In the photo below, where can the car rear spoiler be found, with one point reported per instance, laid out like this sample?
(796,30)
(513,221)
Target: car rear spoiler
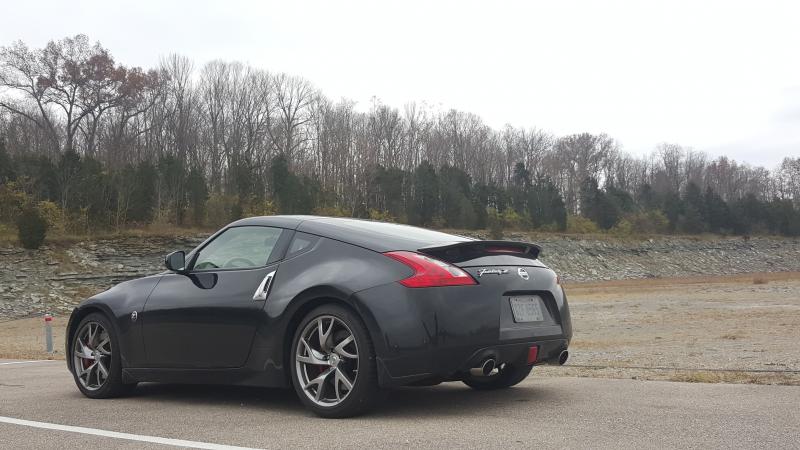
(467,250)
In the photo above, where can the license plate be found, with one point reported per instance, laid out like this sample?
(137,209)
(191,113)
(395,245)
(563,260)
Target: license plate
(527,309)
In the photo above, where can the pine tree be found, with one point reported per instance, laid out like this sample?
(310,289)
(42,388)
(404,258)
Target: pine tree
(545,206)
(426,194)
(6,164)
(717,215)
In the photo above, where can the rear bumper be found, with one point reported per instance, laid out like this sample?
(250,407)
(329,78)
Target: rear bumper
(443,367)
(438,334)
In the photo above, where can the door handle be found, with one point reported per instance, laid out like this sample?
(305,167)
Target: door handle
(263,288)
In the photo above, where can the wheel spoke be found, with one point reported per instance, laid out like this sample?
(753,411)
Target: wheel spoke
(103,342)
(340,377)
(97,374)
(312,356)
(324,335)
(90,338)
(86,375)
(319,382)
(87,370)
(85,352)
(102,369)
(339,349)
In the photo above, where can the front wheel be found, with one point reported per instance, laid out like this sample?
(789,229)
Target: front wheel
(333,363)
(506,376)
(96,362)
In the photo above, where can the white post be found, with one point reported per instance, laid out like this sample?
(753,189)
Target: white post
(48,332)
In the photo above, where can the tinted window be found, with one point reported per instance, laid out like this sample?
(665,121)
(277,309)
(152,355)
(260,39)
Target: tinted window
(302,242)
(393,229)
(238,248)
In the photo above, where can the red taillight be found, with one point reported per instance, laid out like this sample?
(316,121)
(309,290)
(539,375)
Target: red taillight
(429,272)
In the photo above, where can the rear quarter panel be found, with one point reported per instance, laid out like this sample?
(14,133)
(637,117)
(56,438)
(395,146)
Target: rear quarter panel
(332,270)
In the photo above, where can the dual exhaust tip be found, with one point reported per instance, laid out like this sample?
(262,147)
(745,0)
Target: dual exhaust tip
(489,364)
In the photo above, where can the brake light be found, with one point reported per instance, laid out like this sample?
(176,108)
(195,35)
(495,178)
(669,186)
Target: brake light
(429,272)
(505,250)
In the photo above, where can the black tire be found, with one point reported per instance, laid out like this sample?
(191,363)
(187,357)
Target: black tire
(507,376)
(113,385)
(365,392)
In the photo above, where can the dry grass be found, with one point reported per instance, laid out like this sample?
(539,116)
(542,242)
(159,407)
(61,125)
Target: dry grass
(734,378)
(733,336)
(647,284)
(24,339)
(680,375)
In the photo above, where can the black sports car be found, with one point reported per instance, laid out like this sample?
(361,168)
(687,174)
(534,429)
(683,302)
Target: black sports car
(337,308)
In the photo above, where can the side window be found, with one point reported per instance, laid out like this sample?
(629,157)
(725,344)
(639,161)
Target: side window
(238,248)
(301,243)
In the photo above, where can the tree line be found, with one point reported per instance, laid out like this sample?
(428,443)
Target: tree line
(95,144)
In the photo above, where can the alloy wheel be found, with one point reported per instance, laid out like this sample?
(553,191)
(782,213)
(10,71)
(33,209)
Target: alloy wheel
(327,360)
(91,356)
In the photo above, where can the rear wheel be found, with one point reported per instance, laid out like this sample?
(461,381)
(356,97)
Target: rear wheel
(505,376)
(96,364)
(333,363)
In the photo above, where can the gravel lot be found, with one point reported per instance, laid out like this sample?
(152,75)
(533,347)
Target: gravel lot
(742,328)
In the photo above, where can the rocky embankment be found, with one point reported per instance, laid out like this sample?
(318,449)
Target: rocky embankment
(592,259)
(54,278)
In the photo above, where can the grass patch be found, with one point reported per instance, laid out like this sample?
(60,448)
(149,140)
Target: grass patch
(735,378)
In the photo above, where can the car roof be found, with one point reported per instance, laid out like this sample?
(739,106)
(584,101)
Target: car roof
(374,235)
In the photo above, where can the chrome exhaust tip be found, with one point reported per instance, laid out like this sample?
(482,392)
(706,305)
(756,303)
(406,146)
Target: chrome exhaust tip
(484,369)
(562,358)
(488,366)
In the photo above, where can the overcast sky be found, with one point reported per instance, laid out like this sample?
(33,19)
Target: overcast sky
(722,77)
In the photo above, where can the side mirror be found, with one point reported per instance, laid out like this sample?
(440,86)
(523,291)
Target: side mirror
(176,261)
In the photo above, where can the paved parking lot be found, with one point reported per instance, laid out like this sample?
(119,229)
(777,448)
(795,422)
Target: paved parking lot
(541,412)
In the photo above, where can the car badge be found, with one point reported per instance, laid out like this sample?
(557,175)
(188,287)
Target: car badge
(134,316)
(523,273)
(483,272)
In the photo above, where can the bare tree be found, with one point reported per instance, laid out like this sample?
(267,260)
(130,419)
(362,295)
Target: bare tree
(293,97)
(25,74)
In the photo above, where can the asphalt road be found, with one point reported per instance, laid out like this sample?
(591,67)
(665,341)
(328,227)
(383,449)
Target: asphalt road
(540,412)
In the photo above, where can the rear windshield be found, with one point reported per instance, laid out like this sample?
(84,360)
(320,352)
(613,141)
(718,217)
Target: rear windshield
(393,229)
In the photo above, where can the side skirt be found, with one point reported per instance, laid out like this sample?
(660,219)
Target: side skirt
(236,376)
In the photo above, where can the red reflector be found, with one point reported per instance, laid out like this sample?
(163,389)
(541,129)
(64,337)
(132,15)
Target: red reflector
(429,272)
(533,352)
